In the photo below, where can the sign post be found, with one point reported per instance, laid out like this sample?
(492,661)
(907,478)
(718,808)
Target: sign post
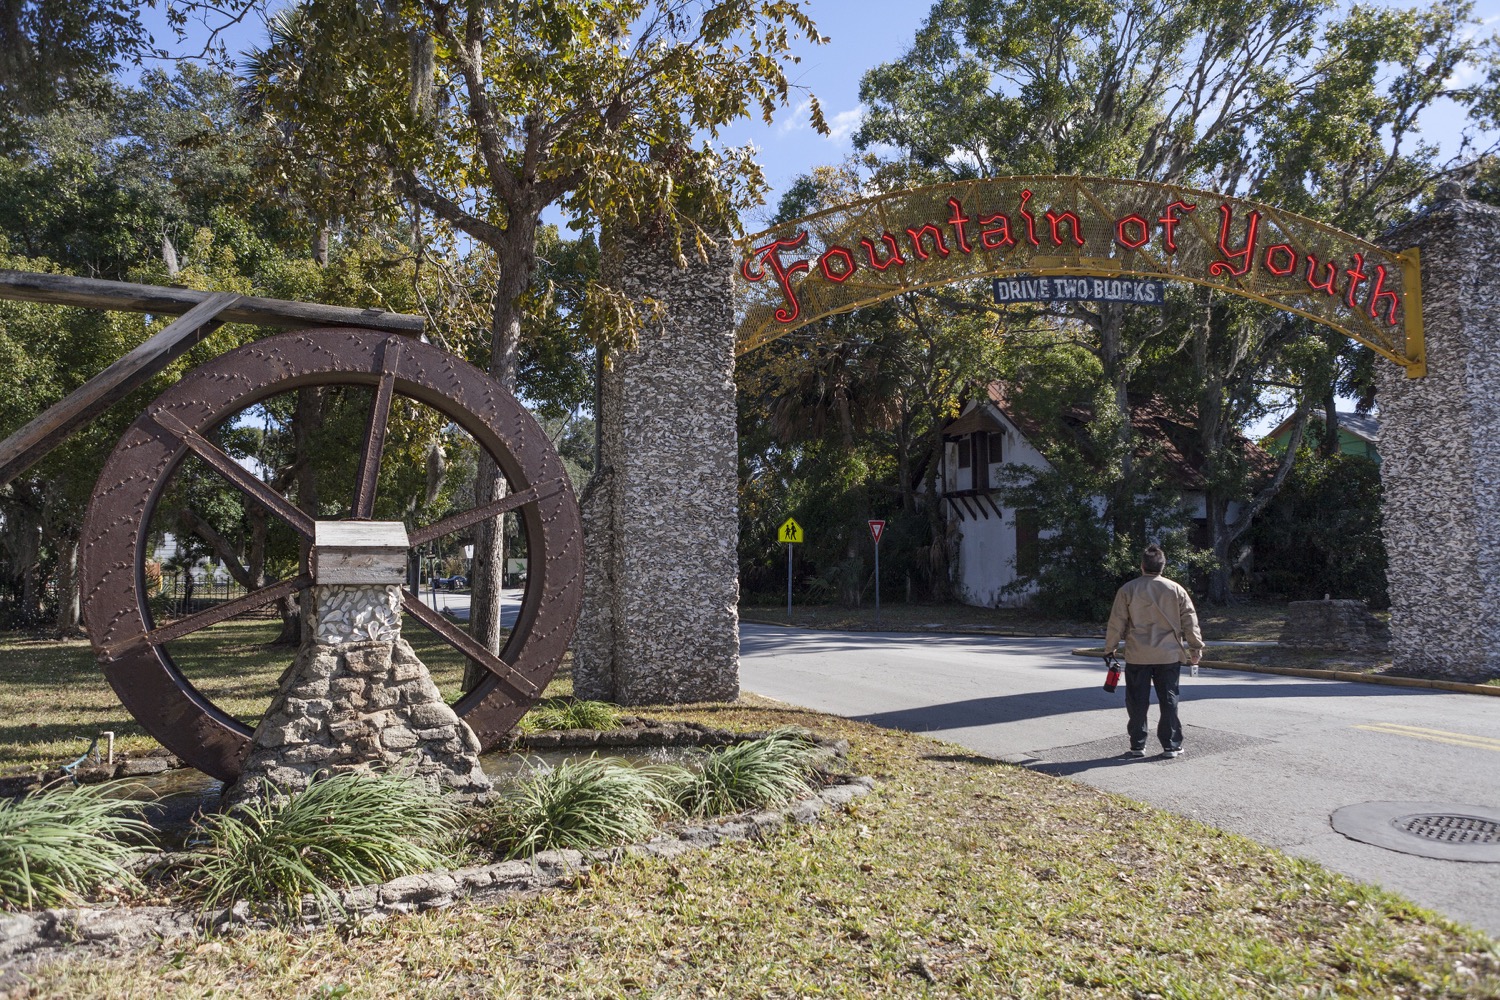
(877,528)
(791,533)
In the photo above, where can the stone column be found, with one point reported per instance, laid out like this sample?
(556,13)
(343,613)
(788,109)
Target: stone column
(357,697)
(1440,451)
(660,621)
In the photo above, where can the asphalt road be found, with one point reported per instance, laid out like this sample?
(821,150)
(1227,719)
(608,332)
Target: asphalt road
(1266,756)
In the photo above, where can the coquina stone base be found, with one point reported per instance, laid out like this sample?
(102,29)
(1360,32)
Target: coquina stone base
(356,706)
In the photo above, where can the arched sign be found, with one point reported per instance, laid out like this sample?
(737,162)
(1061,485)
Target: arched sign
(1079,227)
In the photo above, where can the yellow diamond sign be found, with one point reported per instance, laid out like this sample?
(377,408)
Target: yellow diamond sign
(790,531)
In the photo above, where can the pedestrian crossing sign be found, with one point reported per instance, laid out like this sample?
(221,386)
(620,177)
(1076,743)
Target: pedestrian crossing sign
(790,531)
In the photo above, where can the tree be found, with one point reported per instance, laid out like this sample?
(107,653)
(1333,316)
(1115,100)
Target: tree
(1277,100)
(606,107)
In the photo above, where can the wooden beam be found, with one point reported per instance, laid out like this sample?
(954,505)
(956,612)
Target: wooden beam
(66,290)
(27,445)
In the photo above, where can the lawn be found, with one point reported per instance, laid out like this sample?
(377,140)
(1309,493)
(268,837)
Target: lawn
(958,877)
(54,698)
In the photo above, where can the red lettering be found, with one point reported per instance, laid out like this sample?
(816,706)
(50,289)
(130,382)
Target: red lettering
(1288,253)
(771,253)
(894,257)
(1355,277)
(1227,266)
(837,253)
(1330,273)
(937,241)
(1003,229)
(1169,222)
(1053,219)
(1145,233)
(957,220)
(1381,292)
(1030,219)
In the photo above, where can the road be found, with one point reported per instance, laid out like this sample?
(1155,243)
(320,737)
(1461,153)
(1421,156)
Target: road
(457,603)
(1266,756)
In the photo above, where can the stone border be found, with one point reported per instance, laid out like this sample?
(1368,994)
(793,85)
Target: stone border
(1335,675)
(35,936)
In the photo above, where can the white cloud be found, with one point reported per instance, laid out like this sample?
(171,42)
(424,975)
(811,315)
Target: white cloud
(845,122)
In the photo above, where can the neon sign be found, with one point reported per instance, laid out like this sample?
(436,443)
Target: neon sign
(870,250)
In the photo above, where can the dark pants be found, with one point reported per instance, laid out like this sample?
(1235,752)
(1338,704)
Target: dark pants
(1139,679)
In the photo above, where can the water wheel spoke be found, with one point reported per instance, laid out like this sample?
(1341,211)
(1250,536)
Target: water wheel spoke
(494,508)
(237,474)
(466,644)
(368,480)
(219,613)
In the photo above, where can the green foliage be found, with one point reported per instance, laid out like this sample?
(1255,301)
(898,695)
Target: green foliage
(59,844)
(352,828)
(1321,535)
(770,771)
(579,804)
(570,713)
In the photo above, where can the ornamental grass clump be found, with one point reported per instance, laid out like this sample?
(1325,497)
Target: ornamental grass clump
(57,845)
(557,713)
(769,771)
(350,829)
(579,804)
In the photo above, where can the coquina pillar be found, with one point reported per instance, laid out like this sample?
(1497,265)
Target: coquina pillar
(660,620)
(1440,451)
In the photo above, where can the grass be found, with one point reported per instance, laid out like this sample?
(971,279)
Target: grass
(957,877)
(53,697)
(769,771)
(570,713)
(59,845)
(592,802)
(350,829)
(1238,622)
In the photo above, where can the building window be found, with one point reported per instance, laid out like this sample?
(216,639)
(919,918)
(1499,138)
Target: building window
(994,449)
(1028,553)
(963,453)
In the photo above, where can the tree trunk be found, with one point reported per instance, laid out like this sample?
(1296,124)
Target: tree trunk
(68,617)
(518,255)
(1330,445)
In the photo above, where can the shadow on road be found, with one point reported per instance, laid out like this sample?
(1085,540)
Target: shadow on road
(1039,704)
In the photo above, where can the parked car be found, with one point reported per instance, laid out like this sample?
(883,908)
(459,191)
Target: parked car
(450,582)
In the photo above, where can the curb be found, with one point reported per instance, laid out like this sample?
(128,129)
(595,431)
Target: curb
(914,630)
(1337,675)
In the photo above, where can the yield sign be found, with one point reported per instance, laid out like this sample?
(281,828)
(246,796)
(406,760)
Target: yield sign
(877,528)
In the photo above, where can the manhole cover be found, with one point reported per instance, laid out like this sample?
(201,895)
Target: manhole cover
(1450,829)
(1428,829)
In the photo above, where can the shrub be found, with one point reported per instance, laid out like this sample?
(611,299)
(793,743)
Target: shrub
(559,713)
(578,804)
(352,828)
(769,771)
(58,844)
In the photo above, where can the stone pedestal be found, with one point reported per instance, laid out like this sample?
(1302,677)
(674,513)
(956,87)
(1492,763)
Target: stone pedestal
(357,697)
(1440,451)
(660,620)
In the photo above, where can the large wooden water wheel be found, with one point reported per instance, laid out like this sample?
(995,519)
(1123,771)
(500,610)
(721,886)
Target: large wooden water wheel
(132,647)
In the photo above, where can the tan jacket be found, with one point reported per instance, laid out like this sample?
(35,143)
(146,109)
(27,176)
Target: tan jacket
(1156,618)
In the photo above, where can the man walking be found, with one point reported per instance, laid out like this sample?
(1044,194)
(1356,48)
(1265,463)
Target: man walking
(1155,618)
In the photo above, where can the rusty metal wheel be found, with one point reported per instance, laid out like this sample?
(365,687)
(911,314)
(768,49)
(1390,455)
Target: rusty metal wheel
(131,647)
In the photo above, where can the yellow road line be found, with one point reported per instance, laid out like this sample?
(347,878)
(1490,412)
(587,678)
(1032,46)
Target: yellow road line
(1434,735)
